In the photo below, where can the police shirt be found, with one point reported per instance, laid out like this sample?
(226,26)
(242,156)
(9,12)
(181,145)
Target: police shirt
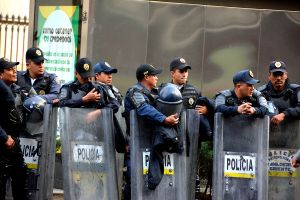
(286,101)
(228,103)
(47,85)
(140,98)
(10,121)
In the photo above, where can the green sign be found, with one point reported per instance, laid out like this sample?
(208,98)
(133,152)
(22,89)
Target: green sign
(58,28)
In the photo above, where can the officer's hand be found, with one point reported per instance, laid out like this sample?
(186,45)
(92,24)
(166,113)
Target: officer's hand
(201,109)
(250,111)
(277,119)
(55,101)
(93,95)
(92,116)
(171,120)
(294,163)
(243,108)
(9,142)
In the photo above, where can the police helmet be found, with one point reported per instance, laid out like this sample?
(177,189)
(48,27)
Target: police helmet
(169,100)
(34,107)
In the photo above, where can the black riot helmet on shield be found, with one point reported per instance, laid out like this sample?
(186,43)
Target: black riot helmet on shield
(169,100)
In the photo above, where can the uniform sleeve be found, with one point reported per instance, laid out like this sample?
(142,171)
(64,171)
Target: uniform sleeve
(3,136)
(262,109)
(65,99)
(54,89)
(220,105)
(294,112)
(146,110)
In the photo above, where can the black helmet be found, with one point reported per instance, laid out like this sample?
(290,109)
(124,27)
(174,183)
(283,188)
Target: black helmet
(169,100)
(34,106)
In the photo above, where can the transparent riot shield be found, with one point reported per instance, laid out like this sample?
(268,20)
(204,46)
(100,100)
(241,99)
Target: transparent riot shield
(88,154)
(38,147)
(240,158)
(120,156)
(284,180)
(179,169)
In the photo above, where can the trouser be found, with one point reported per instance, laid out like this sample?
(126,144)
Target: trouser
(12,166)
(127,175)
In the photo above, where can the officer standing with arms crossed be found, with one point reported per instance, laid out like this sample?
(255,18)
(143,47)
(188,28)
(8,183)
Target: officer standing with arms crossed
(285,96)
(44,84)
(141,97)
(243,99)
(81,92)
(11,124)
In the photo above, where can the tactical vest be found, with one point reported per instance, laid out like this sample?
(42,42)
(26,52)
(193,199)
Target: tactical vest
(232,100)
(76,92)
(189,95)
(41,85)
(283,100)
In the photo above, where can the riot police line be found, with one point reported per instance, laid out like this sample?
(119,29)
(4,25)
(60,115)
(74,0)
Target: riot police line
(251,157)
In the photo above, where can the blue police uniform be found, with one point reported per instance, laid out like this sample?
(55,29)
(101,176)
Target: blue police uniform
(286,101)
(47,86)
(227,102)
(11,160)
(140,98)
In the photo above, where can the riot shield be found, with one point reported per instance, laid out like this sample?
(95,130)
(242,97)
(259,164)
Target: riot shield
(284,180)
(240,158)
(120,156)
(179,169)
(38,148)
(88,154)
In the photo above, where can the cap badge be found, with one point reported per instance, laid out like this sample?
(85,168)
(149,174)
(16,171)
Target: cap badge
(108,65)
(38,52)
(86,67)
(277,64)
(146,72)
(251,73)
(42,92)
(182,60)
(191,101)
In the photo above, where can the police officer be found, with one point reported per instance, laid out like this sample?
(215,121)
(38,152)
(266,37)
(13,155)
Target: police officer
(81,92)
(285,96)
(179,71)
(44,84)
(179,74)
(243,99)
(11,124)
(103,75)
(141,97)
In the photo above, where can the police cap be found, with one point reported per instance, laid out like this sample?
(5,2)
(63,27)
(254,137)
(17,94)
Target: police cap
(102,66)
(85,68)
(244,76)
(179,63)
(35,54)
(146,69)
(6,63)
(277,66)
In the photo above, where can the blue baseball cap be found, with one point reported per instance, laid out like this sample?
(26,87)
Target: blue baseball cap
(277,66)
(245,76)
(103,66)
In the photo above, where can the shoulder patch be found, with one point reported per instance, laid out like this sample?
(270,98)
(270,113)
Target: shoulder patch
(226,93)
